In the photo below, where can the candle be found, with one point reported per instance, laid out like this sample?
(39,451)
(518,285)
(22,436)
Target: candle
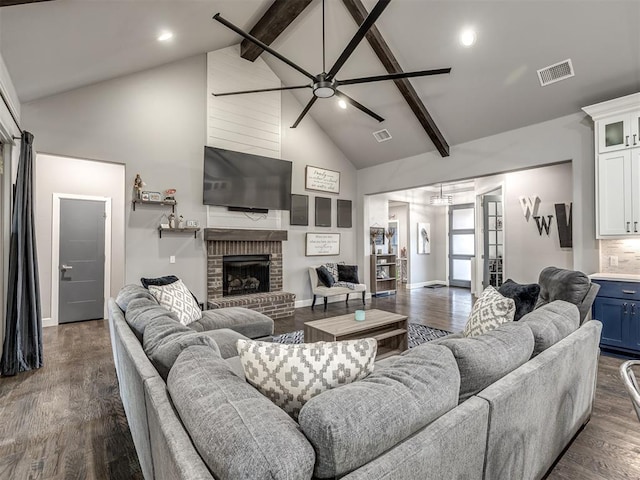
(359,315)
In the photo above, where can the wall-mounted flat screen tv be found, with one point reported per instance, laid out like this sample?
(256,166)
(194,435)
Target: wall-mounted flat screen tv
(236,179)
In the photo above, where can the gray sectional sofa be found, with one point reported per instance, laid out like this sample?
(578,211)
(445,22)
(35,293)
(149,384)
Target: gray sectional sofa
(500,406)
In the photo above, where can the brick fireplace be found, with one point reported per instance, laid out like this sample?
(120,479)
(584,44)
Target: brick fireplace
(224,242)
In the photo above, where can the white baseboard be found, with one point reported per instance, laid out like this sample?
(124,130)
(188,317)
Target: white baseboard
(49,322)
(337,298)
(411,286)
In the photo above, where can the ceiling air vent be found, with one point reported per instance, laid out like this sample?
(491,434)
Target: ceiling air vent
(382,135)
(556,72)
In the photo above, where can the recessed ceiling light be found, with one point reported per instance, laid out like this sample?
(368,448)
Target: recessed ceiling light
(342,103)
(165,36)
(468,37)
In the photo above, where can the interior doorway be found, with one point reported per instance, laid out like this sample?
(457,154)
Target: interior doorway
(461,244)
(493,265)
(81,255)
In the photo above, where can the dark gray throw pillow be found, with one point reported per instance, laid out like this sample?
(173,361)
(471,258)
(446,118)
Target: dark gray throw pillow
(348,273)
(524,295)
(325,276)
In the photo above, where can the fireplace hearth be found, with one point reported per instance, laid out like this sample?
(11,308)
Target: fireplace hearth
(245,274)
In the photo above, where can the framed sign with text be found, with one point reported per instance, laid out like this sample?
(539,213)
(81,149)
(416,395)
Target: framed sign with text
(322,244)
(322,180)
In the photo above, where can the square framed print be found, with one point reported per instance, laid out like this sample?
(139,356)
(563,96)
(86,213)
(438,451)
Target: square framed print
(318,244)
(299,213)
(323,212)
(344,214)
(322,180)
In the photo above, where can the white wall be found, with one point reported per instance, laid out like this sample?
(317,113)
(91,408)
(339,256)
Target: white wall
(561,139)
(425,269)
(54,174)
(155,123)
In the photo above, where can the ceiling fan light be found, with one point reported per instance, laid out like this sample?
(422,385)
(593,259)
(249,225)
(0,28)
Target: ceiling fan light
(323,92)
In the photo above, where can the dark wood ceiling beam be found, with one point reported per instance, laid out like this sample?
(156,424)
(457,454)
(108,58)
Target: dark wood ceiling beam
(8,3)
(382,50)
(278,17)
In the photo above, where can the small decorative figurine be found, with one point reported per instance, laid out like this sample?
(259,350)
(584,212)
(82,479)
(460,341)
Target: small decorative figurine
(137,186)
(172,220)
(180,221)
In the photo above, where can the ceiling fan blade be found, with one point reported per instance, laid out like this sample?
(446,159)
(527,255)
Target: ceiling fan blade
(394,76)
(359,106)
(259,90)
(357,38)
(304,112)
(262,45)
(8,3)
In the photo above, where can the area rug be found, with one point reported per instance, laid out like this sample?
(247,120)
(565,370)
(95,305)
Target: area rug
(418,334)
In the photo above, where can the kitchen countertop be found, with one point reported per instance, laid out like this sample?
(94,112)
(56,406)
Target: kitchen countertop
(615,277)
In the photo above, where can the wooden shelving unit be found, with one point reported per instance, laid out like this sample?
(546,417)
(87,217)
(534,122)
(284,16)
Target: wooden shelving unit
(383,274)
(188,230)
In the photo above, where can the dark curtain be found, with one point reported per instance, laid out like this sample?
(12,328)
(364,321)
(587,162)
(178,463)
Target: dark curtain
(23,333)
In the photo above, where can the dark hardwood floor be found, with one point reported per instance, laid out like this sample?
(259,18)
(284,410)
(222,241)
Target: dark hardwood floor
(66,421)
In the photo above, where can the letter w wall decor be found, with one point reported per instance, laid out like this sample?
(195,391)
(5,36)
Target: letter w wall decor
(529,206)
(565,230)
(541,223)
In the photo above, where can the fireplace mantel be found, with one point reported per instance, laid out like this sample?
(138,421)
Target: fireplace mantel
(237,234)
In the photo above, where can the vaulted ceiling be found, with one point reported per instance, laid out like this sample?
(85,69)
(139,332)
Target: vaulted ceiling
(56,46)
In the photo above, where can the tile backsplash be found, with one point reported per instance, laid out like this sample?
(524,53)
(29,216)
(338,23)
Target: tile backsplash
(627,252)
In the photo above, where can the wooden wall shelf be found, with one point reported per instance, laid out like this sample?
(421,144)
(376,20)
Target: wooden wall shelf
(168,203)
(188,230)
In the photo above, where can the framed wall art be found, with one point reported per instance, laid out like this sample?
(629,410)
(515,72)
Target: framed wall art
(344,214)
(318,244)
(322,180)
(323,212)
(299,213)
(377,235)
(424,238)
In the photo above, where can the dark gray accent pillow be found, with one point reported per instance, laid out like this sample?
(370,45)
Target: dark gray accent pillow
(551,323)
(353,424)
(325,276)
(164,341)
(488,357)
(561,284)
(348,273)
(238,432)
(524,295)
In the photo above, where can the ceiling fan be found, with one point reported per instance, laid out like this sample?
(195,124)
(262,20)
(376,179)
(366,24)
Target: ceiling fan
(325,84)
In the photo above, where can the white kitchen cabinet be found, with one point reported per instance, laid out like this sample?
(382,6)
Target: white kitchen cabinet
(617,161)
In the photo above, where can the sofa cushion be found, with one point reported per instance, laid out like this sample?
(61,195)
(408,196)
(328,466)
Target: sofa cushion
(348,273)
(227,341)
(486,358)
(561,284)
(177,298)
(244,435)
(290,375)
(143,311)
(131,292)
(524,295)
(489,311)
(352,425)
(551,323)
(248,322)
(325,276)
(164,341)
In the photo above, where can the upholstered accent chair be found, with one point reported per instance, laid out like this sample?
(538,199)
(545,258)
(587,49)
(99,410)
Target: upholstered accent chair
(631,384)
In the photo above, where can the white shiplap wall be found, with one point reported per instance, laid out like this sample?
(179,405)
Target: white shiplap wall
(245,123)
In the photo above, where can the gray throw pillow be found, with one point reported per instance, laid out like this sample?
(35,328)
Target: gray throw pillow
(348,273)
(325,276)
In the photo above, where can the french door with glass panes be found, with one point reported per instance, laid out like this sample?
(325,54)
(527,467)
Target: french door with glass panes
(493,241)
(461,244)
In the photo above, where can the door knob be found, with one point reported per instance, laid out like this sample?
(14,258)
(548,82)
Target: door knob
(66,267)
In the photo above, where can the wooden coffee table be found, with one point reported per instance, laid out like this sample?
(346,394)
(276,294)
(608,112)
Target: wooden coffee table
(389,329)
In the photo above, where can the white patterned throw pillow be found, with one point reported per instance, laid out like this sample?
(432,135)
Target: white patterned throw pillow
(177,298)
(489,311)
(290,375)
